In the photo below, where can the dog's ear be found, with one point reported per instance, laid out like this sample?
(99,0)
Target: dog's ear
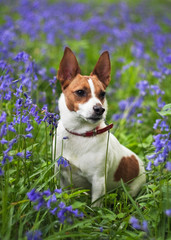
(103,68)
(68,68)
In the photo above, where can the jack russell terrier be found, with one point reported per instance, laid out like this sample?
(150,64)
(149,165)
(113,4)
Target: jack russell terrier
(97,160)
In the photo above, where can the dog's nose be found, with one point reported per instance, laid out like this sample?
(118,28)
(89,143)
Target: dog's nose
(98,109)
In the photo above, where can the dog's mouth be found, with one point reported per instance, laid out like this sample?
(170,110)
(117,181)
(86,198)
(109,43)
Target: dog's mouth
(94,119)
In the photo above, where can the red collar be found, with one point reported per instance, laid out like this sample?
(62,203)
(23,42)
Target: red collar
(93,132)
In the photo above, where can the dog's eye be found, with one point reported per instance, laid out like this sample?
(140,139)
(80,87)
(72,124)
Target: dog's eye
(80,93)
(102,95)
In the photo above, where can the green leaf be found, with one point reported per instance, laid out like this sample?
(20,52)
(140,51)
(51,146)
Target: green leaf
(78,204)
(121,215)
(166,110)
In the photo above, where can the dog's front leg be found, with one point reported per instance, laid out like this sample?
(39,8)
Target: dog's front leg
(98,190)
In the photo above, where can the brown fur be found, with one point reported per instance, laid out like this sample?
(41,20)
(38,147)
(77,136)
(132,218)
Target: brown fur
(128,169)
(81,83)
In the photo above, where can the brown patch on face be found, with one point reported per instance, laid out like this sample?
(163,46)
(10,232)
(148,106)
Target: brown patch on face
(81,83)
(99,88)
(128,169)
(72,99)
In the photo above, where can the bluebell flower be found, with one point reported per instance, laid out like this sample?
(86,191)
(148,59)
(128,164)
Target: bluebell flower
(29,135)
(19,91)
(19,103)
(135,223)
(7,150)
(63,161)
(145,226)
(34,235)
(53,211)
(143,86)
(47,193)
(22,154)
(6,157)
(21,56)
(51,200)
(61,215)
(1,172)
(157,74)
(149,166)
(168,212)
(11,128)
(168,166)
(3,117)
(29,127)
(33,195)
(155,126)
(3,131)
(25,119)
(8,96)
(164,126)
(3,141)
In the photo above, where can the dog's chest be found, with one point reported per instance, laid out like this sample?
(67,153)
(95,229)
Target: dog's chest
(84,153)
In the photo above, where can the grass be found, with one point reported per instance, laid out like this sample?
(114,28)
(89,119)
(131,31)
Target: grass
(34,168)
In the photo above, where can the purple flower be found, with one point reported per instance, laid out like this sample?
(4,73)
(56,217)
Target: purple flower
(11,128)
(145,226)
(29,135)
(61,205)
(143,86)
(47,193)
(7,150)
(157,74)
(34,235)
(168,166)
(51,200)
(63,161)
(3,117)
(135,223)
(22,56)
(58,190)
(6,157)
(22,154)
(3,130)
(168,212)
(3,141)
(50,118)
(29,127)
(149,168)
(164,126)
(156,123)
(53,211)
(33,195)
(19,91)
(1,172)
(123,105)
(19,103)
(61,215)
(8,96)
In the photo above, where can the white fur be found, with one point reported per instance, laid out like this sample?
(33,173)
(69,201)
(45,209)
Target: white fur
(87,155)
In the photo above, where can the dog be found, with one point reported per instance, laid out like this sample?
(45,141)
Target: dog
(97,160)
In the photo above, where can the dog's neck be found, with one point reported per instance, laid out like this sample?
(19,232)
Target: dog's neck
(73,122)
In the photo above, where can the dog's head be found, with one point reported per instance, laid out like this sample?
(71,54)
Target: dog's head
(85,95)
